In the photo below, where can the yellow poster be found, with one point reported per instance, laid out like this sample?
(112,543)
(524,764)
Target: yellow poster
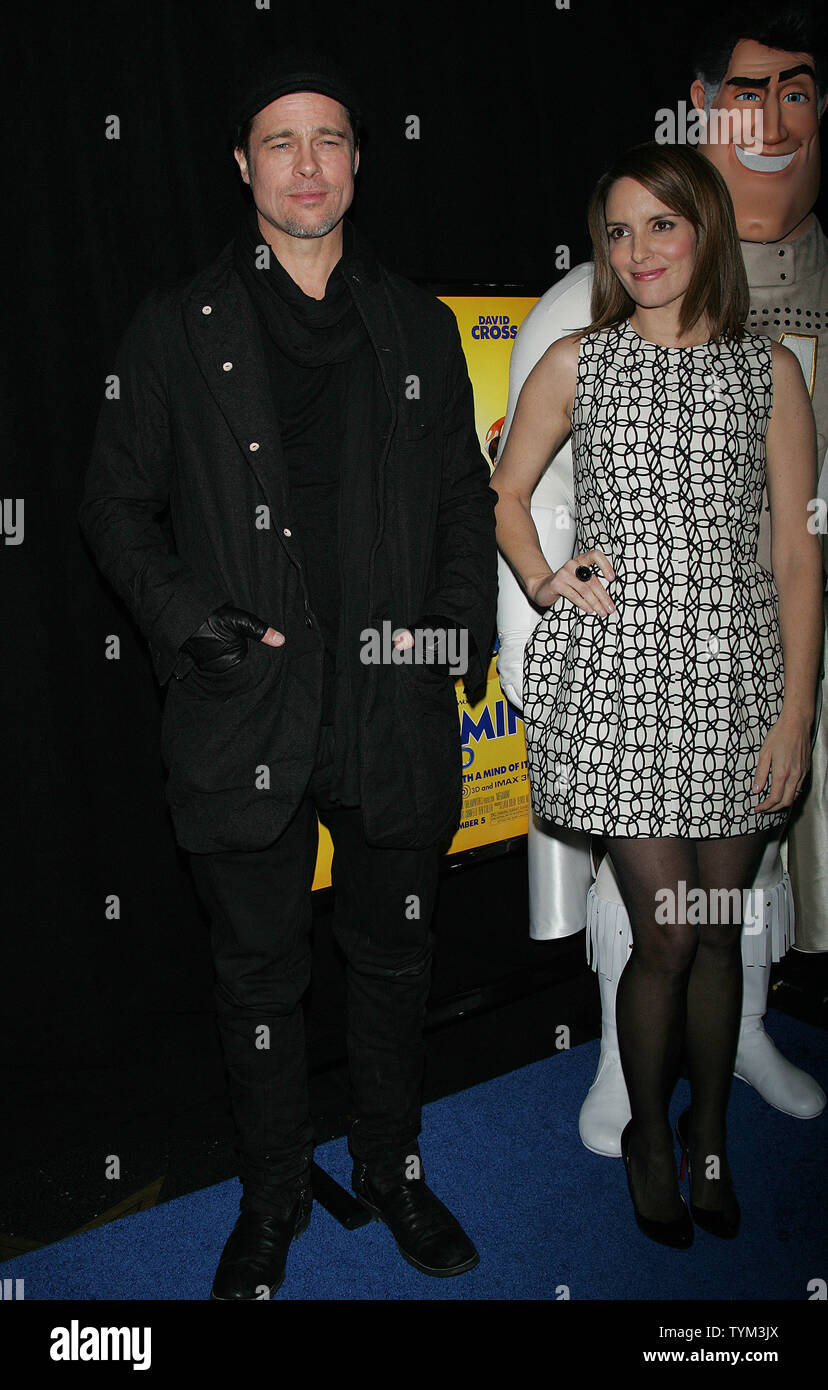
(495,780)
(488,326)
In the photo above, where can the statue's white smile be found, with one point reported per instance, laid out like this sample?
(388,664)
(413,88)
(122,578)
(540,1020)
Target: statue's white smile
(763,163)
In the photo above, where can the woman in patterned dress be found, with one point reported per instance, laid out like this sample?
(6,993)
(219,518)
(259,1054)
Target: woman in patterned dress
(669,686)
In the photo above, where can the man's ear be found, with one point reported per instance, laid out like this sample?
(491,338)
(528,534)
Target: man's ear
(242,163)
(697,94)
(356,158)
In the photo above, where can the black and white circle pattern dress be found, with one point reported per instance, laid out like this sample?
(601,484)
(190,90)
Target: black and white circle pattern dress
(649,722)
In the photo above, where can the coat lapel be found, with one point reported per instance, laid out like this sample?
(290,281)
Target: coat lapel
(365,281)
(221,327)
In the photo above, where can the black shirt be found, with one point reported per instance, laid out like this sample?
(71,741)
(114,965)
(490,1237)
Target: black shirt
(309,411)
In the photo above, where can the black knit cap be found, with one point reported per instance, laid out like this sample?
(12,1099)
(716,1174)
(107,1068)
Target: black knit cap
(290,70)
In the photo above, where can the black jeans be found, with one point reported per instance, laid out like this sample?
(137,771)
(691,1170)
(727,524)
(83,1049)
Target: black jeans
(259,904)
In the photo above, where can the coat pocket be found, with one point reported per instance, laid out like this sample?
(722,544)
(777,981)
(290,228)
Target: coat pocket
(417,425)
(209,721)
(433,723)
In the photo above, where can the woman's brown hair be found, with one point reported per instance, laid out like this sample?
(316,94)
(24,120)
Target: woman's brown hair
(690,186)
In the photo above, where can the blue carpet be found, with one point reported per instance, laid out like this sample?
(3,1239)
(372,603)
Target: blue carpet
(542,1210)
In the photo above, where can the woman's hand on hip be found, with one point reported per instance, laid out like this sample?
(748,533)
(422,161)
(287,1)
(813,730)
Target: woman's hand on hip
(589,595)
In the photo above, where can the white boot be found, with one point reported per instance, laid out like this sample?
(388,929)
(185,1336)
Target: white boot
(761,1064)
(758,1061)
(606,1108)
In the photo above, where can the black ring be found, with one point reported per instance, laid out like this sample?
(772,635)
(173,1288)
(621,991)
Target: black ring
(585,572)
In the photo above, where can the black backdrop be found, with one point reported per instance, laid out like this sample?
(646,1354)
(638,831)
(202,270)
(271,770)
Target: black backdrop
(521,106)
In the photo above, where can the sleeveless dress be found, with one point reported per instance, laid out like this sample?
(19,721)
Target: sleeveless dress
(649,722)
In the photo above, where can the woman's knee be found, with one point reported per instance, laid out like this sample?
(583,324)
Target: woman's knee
(666,949)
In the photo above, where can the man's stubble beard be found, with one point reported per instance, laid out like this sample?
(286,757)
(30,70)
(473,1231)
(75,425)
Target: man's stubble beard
(299,229)
(293,227)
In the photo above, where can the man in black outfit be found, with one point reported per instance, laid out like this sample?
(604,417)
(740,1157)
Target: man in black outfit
(307,418)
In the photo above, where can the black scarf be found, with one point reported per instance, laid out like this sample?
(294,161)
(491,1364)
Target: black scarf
(311,332)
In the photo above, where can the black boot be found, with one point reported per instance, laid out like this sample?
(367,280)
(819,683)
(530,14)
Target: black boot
(252,1265)
(427,1235)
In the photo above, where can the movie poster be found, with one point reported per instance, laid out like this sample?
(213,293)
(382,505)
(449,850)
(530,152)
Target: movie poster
(495,778)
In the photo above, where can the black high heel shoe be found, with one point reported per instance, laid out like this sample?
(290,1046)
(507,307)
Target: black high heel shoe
(722,1223)
(677,1234)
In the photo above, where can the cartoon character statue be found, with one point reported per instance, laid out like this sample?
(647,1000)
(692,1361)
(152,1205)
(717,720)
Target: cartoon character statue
(775,65)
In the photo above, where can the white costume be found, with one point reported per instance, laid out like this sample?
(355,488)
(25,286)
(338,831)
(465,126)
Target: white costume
(560,866)
(789,301)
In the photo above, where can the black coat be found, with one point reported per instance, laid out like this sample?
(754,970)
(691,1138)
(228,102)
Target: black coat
(194,429)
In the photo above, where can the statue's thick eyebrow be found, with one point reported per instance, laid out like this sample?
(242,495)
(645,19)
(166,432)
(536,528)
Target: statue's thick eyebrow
(794,72)
(784,76)
(747,82)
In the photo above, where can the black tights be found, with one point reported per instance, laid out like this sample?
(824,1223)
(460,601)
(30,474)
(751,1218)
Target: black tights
(680,997)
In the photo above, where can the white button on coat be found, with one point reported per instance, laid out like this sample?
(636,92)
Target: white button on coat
(253,447)
(207,309)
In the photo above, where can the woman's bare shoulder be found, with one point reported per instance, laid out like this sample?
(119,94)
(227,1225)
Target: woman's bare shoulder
(785,363)
(561,356)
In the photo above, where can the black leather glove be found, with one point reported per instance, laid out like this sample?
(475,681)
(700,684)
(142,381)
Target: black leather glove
(221,643)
